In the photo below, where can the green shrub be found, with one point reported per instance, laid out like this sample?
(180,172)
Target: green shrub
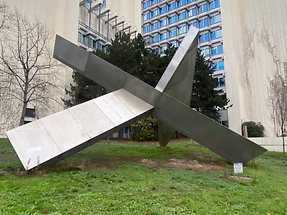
(254,129)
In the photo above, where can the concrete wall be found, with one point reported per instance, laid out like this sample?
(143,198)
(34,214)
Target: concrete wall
(255,41)
(274,144)
(130,10)
(61,17)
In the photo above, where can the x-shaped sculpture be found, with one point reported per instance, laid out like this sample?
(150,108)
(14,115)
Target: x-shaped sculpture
(56,137)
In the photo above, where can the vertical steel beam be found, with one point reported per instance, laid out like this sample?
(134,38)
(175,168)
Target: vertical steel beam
(116,25)
(99,19)
(90,11)
(108,25)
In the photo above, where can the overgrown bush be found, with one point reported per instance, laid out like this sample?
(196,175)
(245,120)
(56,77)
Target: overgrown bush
(145,129)
(254,129)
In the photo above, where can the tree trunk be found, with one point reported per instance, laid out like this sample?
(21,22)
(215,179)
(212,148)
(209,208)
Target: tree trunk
(283,142)
(25,102)
(23,114)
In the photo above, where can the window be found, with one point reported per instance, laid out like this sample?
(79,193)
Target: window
(152,2)
(182,30)
(173,19)
(203,22)
(204,37)
(214,4)
(194,24)
(172,6)
(181,2)
(155,38)
(146,29)
(175,44)
(173,33)
(163,10)
(155,13)
(192,12)
(148,40)
(162,49)
(82,38)
(155,25)
(205,52)
(222,81)
(202,8)
(146,16)
(163,22)
(217,50)
(218,65)
(215,19)
(216,34)
(182,16)
(163,36)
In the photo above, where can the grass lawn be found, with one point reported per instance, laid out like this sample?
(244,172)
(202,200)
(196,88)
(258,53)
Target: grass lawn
(141,178)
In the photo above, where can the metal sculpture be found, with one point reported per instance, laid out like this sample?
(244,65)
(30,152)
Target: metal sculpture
(56,137)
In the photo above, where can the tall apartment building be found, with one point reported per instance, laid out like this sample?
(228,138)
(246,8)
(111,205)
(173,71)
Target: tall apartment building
(244,40)
(168,22)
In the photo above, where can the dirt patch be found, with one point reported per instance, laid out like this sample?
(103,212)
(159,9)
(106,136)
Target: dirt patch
(184,164)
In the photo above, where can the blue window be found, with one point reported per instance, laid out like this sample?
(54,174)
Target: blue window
(214,4)
(222,81)
(218,65)
(203,22)
(181,2)
(216,34)
(155,38)
(202,8)
(155,13)
(192,12)
(221,65)
(146,29)
(155,25)
(182,16)
(172,6)
(153,2)
(173,19)
(217,50)
(193,24)
(204,37)
(146,16)
(182,29)
(163,10)
(163,22)
(173,33)
(205,52)
(215,19)
(220,49)
(146,4)
(163,36)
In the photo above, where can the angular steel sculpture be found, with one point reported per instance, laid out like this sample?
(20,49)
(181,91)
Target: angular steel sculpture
(53,138)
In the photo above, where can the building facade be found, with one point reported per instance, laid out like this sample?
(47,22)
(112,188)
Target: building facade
(244,40)
(60,17)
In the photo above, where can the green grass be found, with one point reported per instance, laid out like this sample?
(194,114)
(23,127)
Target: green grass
(108,178)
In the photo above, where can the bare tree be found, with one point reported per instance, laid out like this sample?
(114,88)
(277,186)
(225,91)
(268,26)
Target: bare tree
(278,101)
(3,15)
(28,73)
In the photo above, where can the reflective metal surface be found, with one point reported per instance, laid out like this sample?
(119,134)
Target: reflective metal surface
(177,79)
(56,137)
(172,112)
(63,134)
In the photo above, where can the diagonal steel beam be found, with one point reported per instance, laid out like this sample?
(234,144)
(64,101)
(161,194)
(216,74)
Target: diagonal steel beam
(177,79)
(207,132)
(53,138)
